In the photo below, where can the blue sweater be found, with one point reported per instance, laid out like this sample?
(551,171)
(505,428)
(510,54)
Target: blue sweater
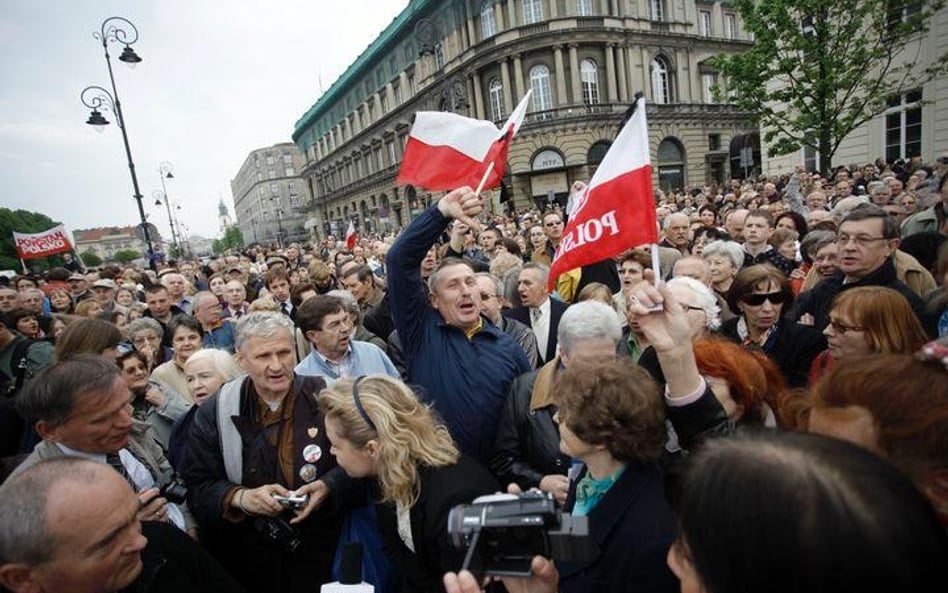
(364,359)
(465,379)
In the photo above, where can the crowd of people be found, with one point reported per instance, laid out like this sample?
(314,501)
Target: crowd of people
(767,410)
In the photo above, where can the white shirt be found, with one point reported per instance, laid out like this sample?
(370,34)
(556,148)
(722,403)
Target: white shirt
(541,327)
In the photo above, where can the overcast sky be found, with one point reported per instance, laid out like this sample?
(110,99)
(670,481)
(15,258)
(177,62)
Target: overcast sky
(218,79)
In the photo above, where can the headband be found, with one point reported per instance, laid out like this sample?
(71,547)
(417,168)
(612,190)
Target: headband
(358,403)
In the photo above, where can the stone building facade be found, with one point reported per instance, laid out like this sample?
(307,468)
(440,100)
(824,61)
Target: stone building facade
(271,196)
(584,60)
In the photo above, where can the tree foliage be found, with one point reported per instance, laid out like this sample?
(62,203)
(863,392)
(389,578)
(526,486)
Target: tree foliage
(23,221)
(90,259)
(819,69)
(123,256)
(232,239)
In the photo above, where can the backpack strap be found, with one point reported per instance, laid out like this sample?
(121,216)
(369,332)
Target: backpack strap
(232,447)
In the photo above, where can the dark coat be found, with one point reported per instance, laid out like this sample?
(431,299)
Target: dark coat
(819,300)
(634,527)
(793,348)
(259,563)
(557,308)
(528,443)
(441,489)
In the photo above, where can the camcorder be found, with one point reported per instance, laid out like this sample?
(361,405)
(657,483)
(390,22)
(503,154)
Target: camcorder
(503,532)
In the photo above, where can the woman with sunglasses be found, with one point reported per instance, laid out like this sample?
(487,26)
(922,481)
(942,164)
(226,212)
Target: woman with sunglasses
(762,295)
(868,320)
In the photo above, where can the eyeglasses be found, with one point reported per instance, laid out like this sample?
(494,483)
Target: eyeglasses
(756,300)
(860,240)
(842,329)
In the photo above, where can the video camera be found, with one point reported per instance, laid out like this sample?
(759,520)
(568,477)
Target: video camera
(503,532)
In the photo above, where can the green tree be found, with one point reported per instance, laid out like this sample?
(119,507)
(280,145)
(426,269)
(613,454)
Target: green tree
(123,256)
(819,69)
(23,221)
(90,259)
(232,239)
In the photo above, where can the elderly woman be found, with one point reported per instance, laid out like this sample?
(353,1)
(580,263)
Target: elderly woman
(526,450)
(762,295)
(612,419)
(60,301)
(725,259)
(187,337)
(145,335)
(379,429)
(152,402)
(868,320)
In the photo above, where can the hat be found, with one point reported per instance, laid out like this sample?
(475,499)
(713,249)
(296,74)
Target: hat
(237,269)
(76,277)
(277,259)
(167,271)
(104,283)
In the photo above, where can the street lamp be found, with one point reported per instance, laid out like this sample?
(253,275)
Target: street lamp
(279,213)
(96,98)
(165,172)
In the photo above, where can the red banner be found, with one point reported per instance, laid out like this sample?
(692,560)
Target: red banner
(32,245)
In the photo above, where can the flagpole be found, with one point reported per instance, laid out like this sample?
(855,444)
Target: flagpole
(656,264)
(480,186)
(23,263)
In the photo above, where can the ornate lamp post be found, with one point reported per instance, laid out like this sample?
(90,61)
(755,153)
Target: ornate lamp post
(119,30)
(165,172)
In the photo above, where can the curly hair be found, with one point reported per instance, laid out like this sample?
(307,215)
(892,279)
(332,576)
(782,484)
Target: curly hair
(753,379)
(408,432)
(615,404)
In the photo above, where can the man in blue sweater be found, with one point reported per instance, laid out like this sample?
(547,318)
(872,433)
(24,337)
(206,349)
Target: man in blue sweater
(463,363)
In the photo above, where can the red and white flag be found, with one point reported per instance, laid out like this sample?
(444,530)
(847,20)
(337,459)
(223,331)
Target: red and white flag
(351,236)
(31,245)
(616,212)
(446,151)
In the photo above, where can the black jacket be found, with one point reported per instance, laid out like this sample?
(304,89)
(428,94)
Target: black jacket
(173,563)
(442,489)
(793,349)
(527,447)
(259,563)
(819,300)
(557,308)
(634,527)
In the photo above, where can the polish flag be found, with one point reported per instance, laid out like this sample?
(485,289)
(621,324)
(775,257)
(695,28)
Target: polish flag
(351,235)
(616,211)
(446,151)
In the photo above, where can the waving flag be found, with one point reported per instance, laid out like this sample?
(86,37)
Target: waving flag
(446,151)
(31,245)
(616,212)
(351,236)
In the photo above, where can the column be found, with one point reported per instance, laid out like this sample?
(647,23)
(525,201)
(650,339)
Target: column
(611,72)
(389,96)
(553,12)
(478,96)
(646,75)
(623,79)
(505,80)
(561,98)
(518,78)
(574,74)
(403,85)
(499,17)
(511,14)
(604,8)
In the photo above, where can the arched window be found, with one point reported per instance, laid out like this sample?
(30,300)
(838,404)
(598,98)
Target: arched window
(656,10)
(488,24)
(540,83)
(597,152)
(589,75)
(496,90)
(532,11)
(661,89)
(671,164)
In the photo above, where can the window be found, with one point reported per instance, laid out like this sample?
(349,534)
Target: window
(287,159)
(903,126)
(589,75)
(532,11)
(259,176)
(378,159)
(271,174)
(704,23)
(392,157)
(488,24)
(275,189)
(540,83)
(656,10)
(584,8)
(730,26)
(496,91)
(671,164)
(707,83)
(661,90)
(714,142)
(270,160)
(439,56)
(397,91)
(262,192)
(383,101)
(288,172)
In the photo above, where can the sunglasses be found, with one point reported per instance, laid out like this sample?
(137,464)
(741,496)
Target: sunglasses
(756,300)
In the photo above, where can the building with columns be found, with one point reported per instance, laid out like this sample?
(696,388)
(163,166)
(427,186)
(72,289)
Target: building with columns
(584,60)
(270,196)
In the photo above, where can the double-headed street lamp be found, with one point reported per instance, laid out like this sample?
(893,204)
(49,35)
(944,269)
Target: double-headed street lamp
(165,172)
(98,99)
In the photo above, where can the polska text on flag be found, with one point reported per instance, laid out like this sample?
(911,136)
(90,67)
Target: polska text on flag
(616,212)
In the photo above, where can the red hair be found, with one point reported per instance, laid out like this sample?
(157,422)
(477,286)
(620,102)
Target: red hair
(751,376)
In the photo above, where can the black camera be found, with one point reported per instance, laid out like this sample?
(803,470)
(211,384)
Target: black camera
(279,531)
(174,491)
(502,533)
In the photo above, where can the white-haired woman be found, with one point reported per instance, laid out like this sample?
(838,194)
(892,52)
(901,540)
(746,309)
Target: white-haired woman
(379,429)
(725,259)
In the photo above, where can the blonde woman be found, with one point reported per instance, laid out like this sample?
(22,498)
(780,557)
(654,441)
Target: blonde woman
(379,429)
